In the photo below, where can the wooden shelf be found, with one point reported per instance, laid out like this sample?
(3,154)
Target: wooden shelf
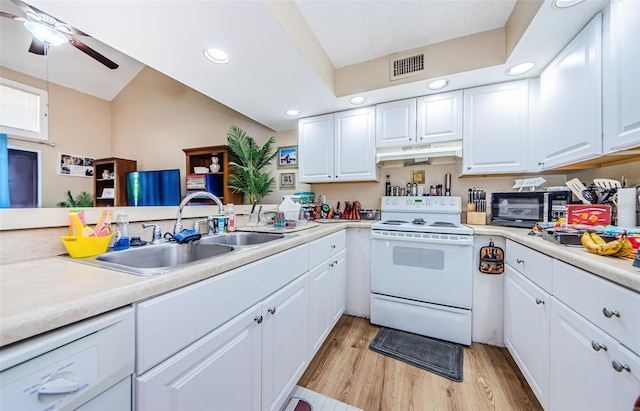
(201,157)
(119,167)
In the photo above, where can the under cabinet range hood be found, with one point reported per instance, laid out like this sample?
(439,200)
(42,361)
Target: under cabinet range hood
(420,153)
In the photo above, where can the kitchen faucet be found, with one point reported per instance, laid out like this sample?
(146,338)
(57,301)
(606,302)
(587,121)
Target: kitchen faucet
(198,194)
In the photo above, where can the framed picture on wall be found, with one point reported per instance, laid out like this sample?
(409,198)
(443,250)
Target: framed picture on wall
(287,180)
(288,157)
(73,165)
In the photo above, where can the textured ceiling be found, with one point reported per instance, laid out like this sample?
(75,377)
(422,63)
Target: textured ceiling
(353,32)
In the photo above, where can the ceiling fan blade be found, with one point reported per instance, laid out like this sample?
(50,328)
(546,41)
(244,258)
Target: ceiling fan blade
(91,52)
(11,16)
(38,47)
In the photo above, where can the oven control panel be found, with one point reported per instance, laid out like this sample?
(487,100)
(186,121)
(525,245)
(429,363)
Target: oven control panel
(438,204)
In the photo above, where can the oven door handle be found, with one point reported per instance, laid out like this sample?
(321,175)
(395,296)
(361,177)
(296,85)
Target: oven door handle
(424,238)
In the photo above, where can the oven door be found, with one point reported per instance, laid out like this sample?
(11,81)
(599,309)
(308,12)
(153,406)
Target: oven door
(433,268)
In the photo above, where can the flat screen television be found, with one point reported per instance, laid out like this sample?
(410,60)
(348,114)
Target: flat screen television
(153,188)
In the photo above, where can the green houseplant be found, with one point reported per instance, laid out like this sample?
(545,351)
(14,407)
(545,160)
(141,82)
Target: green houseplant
(248,160)
(83,199)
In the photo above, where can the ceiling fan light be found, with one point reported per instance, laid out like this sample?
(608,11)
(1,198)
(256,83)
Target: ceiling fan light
(520,69)
(292,112)
(47,35)
(438,84)
(357,100)
(217,56)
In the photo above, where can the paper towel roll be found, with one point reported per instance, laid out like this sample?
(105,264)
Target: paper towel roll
(627,207)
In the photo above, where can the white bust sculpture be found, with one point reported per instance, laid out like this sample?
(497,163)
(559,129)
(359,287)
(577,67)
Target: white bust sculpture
(215,167)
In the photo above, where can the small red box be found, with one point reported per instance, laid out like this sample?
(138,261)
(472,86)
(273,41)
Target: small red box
(589,214)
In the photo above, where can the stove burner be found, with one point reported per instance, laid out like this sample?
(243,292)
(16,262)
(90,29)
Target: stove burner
(394,222)
(419,221)
(442,224)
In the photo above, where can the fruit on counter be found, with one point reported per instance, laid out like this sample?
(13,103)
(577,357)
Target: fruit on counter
(596,245)
(626,248)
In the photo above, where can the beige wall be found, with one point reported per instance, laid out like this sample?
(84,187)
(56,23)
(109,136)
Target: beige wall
(79,124)
(155,117)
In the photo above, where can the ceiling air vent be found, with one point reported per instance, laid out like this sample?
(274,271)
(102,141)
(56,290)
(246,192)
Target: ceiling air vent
(406,66)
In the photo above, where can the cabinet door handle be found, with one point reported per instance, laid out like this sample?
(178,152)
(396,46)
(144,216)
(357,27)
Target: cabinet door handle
(272,310)
(620,367)
(609,313)
(330,264)
(540,163)
(539,301)
(519,261)
(329,175)
(258,319)
(333,246)
(597,346)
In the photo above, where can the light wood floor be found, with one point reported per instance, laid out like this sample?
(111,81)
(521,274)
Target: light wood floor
(346,370)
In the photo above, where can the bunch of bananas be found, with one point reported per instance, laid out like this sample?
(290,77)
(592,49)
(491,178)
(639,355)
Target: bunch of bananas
(597,245)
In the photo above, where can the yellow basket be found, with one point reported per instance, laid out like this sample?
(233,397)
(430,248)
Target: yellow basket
(80,246)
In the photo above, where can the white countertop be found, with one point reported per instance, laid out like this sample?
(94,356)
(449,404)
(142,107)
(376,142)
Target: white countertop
(40,295)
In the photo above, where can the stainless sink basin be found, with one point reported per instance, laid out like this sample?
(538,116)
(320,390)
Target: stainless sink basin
(241,238)
(161,258)
(156,259)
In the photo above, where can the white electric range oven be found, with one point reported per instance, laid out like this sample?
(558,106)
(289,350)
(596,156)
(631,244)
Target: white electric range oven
(421,268)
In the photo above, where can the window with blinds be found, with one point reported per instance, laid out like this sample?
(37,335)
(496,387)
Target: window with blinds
(23,110)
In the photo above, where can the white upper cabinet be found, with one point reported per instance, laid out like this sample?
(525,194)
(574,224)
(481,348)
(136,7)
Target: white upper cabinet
(315,149)
(396,123)
(338,147)
(571,101)
(496,129)
(439,118)
(621,81)
(431,119)
(355,145)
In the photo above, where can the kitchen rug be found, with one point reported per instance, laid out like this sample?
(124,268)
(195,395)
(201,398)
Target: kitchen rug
(437,356)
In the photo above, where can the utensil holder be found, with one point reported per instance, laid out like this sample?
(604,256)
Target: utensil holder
(476,218)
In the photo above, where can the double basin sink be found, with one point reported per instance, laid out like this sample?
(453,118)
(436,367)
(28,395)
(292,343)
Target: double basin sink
(157,259)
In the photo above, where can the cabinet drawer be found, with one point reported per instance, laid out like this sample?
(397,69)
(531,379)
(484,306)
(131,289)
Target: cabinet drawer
(172,321)
(325,247)
(596,299)
(532,264)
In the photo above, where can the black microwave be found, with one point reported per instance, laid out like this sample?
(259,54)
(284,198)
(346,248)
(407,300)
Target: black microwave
(526,208)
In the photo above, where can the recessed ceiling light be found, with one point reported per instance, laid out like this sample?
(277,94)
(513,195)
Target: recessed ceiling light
(438,84)
(520,69)
(292,112)
(563,4)
(46,34)
(357,100)
(217,56)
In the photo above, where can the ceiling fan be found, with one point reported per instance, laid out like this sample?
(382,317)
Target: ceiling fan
(48,31)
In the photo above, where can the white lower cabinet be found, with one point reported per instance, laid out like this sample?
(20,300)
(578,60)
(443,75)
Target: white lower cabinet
(579,363)
(236,341)
(589,370)
(251,362)
(526,330)
(285,347)
(327,298)
(576,339)
(328,286)
(221,371)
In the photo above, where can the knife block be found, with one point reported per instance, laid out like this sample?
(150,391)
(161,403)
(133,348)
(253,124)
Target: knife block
(475,217)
